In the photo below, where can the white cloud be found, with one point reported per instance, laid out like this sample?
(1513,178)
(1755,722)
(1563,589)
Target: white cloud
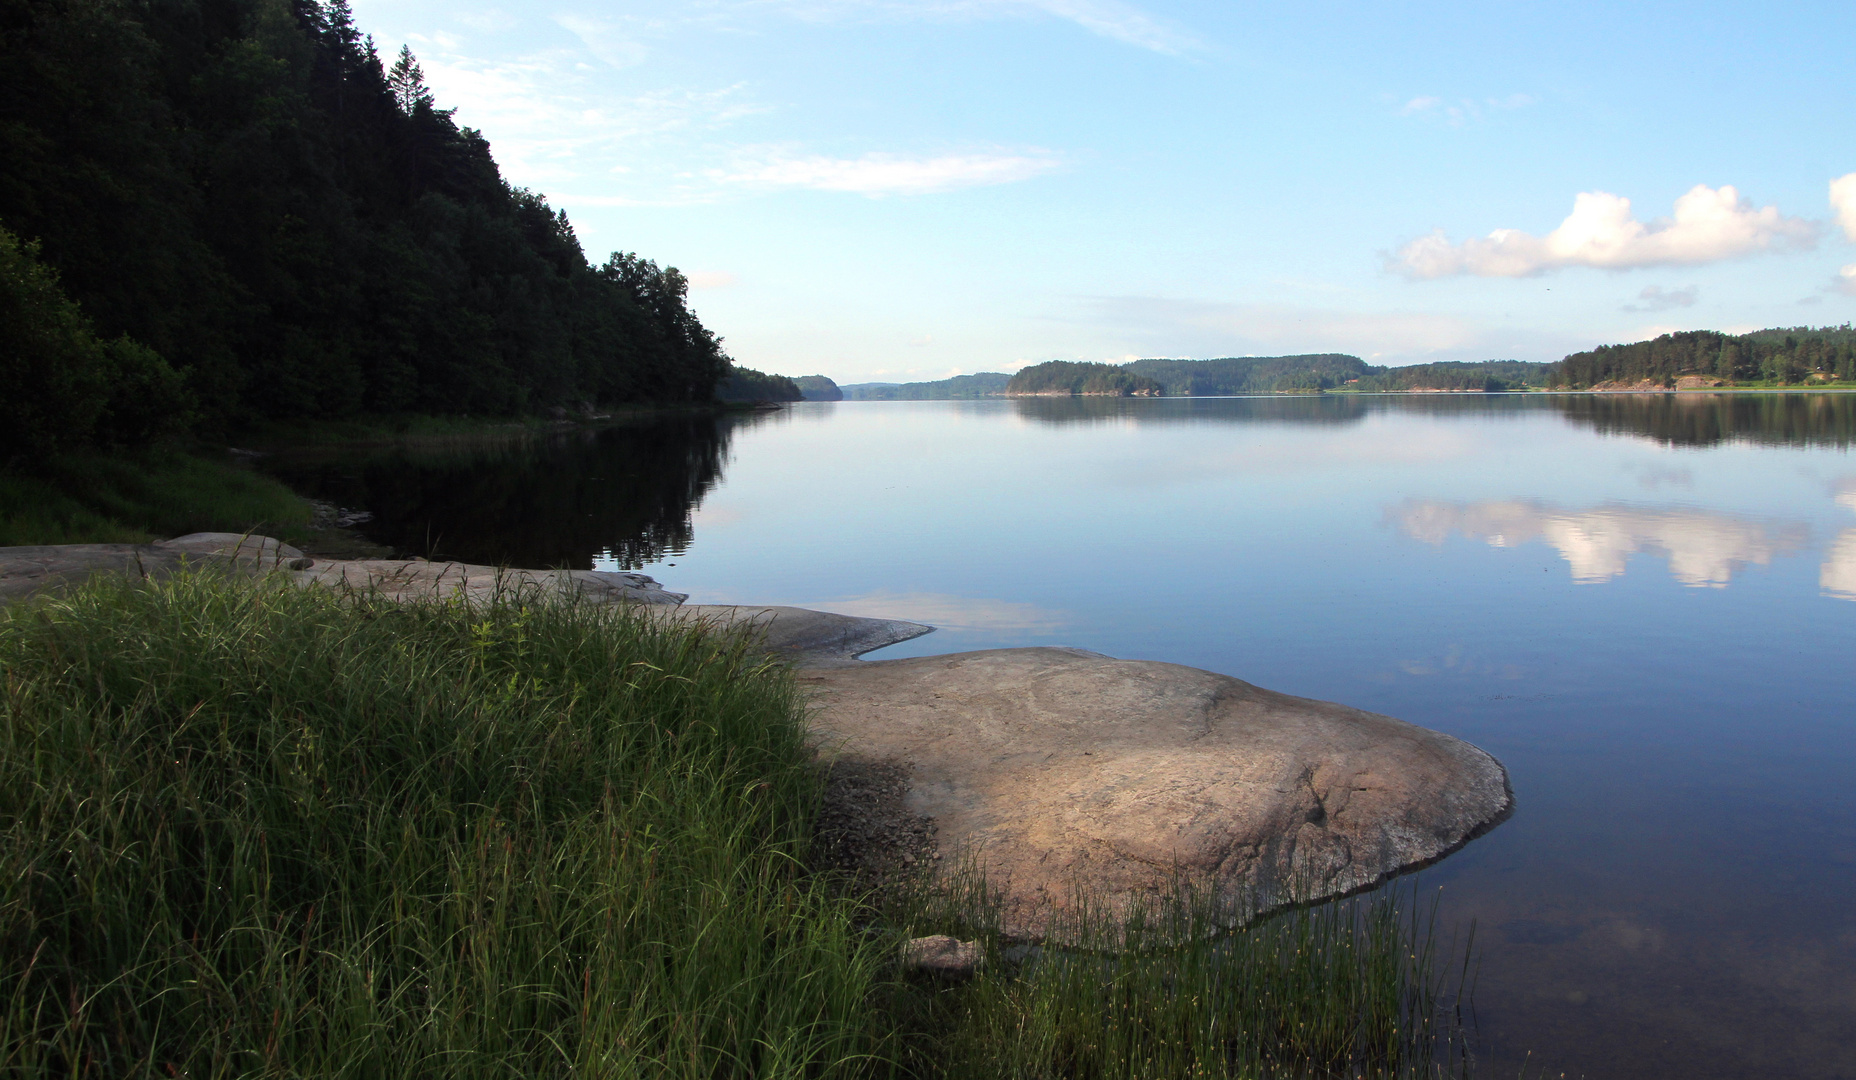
(1837,577)
(1112,19)
(552,126)
(890,174)
(1710,224)
(489,21)
(1843,201)
(1463,110)
(1845,281)
(1656,298)
(1704,549)
(615,44)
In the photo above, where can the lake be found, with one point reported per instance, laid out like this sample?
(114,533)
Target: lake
(1644,605)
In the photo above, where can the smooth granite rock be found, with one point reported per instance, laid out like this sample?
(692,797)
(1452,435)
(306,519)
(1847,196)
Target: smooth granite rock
(1059,769)
(406,579)
(28,570)
(807,637)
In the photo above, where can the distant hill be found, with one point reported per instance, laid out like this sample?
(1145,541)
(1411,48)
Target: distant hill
(818,388)
(1067,377)
(1219,377)
(983,384)
(1252,374)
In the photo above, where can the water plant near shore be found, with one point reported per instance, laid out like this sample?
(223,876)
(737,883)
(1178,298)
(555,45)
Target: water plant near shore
(252,829)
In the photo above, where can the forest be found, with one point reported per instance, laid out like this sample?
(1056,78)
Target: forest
(215,212)
(1784,356)
(1067,377)
(981,384)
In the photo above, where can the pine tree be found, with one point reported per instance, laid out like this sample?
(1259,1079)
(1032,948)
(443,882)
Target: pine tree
(407,81)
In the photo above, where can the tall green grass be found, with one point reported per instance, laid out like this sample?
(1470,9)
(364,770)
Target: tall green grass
(159,492)
(254,830)
(1361,987)
(272,831)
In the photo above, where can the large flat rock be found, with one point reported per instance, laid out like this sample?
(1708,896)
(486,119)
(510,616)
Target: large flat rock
(411,579)
(1054,770)
(28,570)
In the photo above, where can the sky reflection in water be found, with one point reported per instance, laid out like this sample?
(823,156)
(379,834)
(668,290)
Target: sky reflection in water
(1639,604)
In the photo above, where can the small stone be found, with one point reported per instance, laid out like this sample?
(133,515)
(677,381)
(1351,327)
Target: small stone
(943,955)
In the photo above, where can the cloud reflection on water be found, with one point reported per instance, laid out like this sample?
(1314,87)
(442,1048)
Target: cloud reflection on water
(1704,549)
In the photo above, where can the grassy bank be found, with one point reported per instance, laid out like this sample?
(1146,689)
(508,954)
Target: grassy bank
(258,830)
(97,497)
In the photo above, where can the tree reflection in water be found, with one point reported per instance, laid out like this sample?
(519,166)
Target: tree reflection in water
(621,493)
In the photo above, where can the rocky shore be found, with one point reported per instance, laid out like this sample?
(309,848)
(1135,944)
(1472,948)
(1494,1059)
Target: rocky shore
(1057,773)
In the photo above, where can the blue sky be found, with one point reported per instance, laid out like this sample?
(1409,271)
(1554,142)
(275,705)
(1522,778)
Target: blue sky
(908,189)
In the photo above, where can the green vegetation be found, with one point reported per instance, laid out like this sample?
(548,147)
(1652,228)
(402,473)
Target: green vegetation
(65,386)
(1066,377)
(818,388)
(1252,374)
(983,384)
(1768,358)
(257,218)
(1221,377)
(277,831)
(1486,375)
(250,829)
(89,497)
(746,384)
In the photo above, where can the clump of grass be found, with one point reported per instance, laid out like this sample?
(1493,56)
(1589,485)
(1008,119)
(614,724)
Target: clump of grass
(259,830)
(1354,988)
(98,497)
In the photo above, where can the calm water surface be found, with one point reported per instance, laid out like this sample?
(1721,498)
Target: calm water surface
(1644,606)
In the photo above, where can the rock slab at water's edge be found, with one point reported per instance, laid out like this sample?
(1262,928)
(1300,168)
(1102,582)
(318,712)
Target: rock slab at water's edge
(28,570)
(1054,769)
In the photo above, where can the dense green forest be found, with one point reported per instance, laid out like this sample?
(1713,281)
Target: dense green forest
(1487,375)
(982,384)
(234,210)
(746,384)
(1251,374)
(1068,377)
(818,388)
(1785,356)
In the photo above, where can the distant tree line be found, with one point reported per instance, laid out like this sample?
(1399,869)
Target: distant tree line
(1783,357)
(236,210)
(1069,377)
(1487,375)
(981,384)
(1230,375)
(746,384)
